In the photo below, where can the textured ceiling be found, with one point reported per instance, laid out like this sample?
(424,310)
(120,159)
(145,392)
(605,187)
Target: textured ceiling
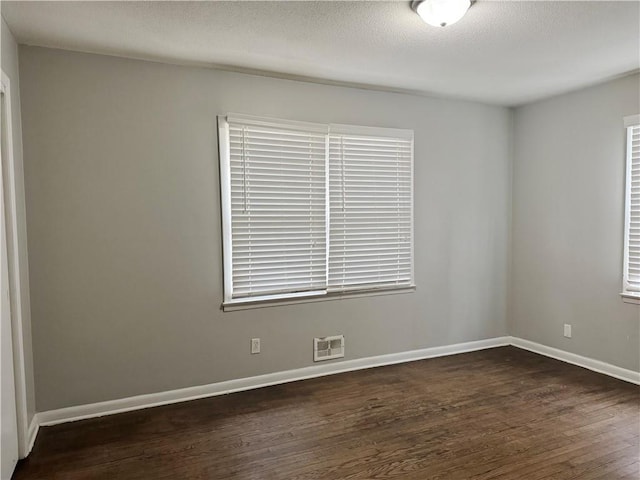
(507,52)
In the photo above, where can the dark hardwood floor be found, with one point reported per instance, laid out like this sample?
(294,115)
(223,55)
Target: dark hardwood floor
(495,414)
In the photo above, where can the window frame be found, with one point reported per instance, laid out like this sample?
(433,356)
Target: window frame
(632,296)
(224,162)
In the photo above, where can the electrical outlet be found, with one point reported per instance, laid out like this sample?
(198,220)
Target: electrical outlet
(567,330)
(255,345)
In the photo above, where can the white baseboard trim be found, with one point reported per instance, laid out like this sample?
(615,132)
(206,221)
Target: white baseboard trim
(81,412)
(585,362)
(32,433)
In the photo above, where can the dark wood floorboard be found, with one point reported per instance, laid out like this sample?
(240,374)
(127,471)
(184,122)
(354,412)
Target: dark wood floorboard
(496,414)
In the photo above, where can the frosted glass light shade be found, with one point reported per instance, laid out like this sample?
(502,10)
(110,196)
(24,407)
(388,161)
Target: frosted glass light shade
(441,13)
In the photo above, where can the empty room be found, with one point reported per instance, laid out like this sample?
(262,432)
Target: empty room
(320,240)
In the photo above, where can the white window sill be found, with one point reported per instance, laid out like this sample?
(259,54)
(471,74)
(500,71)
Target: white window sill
(633,298)
(307,297)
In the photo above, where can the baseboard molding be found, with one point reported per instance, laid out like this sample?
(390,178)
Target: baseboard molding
(585,362)
(81,412)
(32,433)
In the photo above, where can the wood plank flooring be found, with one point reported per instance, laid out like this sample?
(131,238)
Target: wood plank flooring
(501,414)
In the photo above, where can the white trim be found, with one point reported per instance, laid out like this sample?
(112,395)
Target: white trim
(269,300)
(585,362)
(327,209)
(13,251)
(633,298)
(359,131)
(270,122)
(225,204)
(309,297)
(413,212)
(34,428)
(630,123)
(230,303)
(631,120)
(81,412)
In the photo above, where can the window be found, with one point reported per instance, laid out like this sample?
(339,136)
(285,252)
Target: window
(631,271)
(314,209)
(370,214)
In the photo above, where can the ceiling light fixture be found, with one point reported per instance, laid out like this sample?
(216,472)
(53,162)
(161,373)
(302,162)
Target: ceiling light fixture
(441,13)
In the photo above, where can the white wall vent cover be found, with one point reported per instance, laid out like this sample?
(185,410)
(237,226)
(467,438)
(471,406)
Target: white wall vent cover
(326,348)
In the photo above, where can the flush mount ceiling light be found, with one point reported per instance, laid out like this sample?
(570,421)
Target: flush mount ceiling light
(441,13)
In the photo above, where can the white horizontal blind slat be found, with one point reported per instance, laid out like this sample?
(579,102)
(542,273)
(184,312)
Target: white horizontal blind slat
(632,233)
(370,210)
(278,208)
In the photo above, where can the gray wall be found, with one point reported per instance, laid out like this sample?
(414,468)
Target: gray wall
(568,217)
(10,68)
(124,227)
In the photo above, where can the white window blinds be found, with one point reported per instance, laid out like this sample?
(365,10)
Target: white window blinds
(370,186)
(278,220)
(311,209)
(632,232)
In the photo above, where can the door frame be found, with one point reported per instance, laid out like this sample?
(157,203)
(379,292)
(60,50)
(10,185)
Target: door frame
(14,245)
